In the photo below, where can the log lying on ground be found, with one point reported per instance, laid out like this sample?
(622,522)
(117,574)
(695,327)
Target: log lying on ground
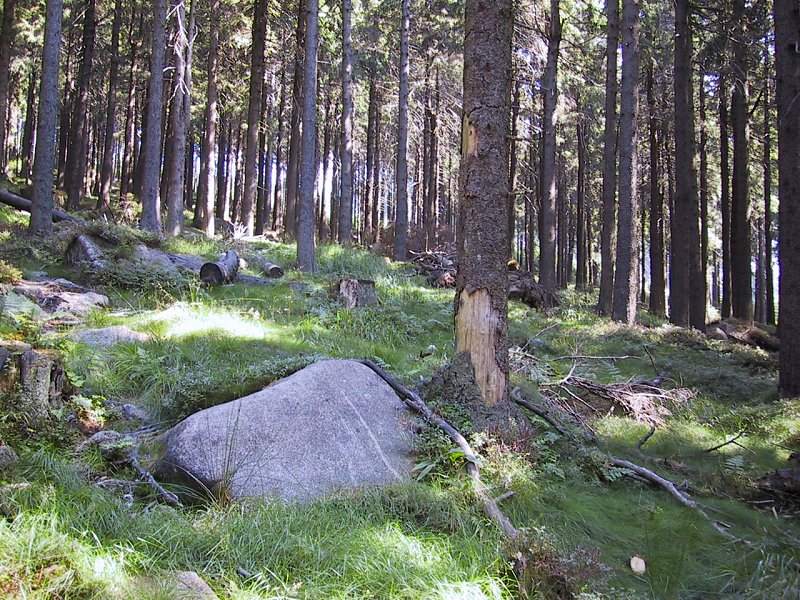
(356,293)
(266,266)
(84,251)
(221,272)
(20,203)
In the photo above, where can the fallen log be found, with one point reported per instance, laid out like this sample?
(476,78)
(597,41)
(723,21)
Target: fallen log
(221,272)
(86,252)
(21,203)
(266,266)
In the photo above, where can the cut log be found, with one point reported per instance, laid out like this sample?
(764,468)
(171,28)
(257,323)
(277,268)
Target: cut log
(41,384)
(220,272)
(267,267)
(356,293)
(20,203)
(86,252)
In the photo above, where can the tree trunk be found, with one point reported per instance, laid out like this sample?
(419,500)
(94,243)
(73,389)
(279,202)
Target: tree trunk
(725,197)
(346,201)
(223,155)
(208,151)
(279,152)
(687,294)
(482,284)
(368,224)
(768,260)
(703,191)
(254,114)
(42,202)
(293,163)
(129,150)
(626,276)
(30,127)
(607,237)
(657,281)
(308,175)
(401,173)
(222,271)
(7,37)
(547,240)
(264,208)
(151,151)
(77,151)
(741,254)
(376,174)
(176,165)
(107,171)
(787,59)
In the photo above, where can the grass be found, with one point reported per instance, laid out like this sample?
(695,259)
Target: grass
(63,537)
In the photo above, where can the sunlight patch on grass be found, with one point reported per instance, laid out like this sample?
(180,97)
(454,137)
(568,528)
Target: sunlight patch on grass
(181,320)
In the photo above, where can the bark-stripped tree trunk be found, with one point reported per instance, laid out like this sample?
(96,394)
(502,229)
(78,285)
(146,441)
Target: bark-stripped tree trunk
(42,201)
(482,285)
(626,276)
(741,253)
(75,173)
(687,294)
(254,115)
(657,281)
(346,201)
(208,151)
(401,173)
(107,170)
(176,165)
(308,174)
(7,37)
(607,232)
(151,151)
(787,59)
(547,241)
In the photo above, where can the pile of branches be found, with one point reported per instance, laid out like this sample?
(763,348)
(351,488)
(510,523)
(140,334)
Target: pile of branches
(440,267)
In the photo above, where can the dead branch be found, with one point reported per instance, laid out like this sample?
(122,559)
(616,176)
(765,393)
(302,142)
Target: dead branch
(645,438)
(723,444)
(415,402)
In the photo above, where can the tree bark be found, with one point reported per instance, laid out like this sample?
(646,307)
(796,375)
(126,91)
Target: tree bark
(29,128)
(607,237)
(42,202)
(208,150)
(482,283)
(276,203)
(346,201)
(769,309)
(75,173)
(401,173)
(657,281)
(107,171)
(725,197)
(151,152)
(787,59)
(7,37)
(254,115)
(547,241)
(308,175)
(293,162)
(741,254)
(626,276)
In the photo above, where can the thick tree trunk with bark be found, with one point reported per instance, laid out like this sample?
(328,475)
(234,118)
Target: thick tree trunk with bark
(401,173)
(626,276)
(346,201)
(254,115)
(607,233)
(293,162)
(787,59)
(581,280)
(725,197)
(741,254)
(308,173)
(151,151)
(44,163)
(547,242)
(687,292)
(29,128)
(7,37)
(482,284)
(769,308)
(77,149)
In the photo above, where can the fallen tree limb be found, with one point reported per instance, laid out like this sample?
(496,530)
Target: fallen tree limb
(20,203)
(222,271)
(723,444)
(146,476)
(413,400)
(266,266)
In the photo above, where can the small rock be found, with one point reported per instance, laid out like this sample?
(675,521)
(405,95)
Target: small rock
(109,336)
(131,412)
(8,458)
(190,586)
(114,446)
(638,565)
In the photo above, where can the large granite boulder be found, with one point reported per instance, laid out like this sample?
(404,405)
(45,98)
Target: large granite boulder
(334,425)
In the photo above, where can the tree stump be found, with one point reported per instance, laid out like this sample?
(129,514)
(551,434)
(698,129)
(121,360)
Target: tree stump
(356,293)
(220,272)
(86,252)
(40,379)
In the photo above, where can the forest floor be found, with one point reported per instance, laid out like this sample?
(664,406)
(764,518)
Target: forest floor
(64,537)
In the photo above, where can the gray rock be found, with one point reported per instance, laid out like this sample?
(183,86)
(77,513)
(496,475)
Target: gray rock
(154,258)
(61,296)
(8,458)
(109,336)
(334,425)
(190,586)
